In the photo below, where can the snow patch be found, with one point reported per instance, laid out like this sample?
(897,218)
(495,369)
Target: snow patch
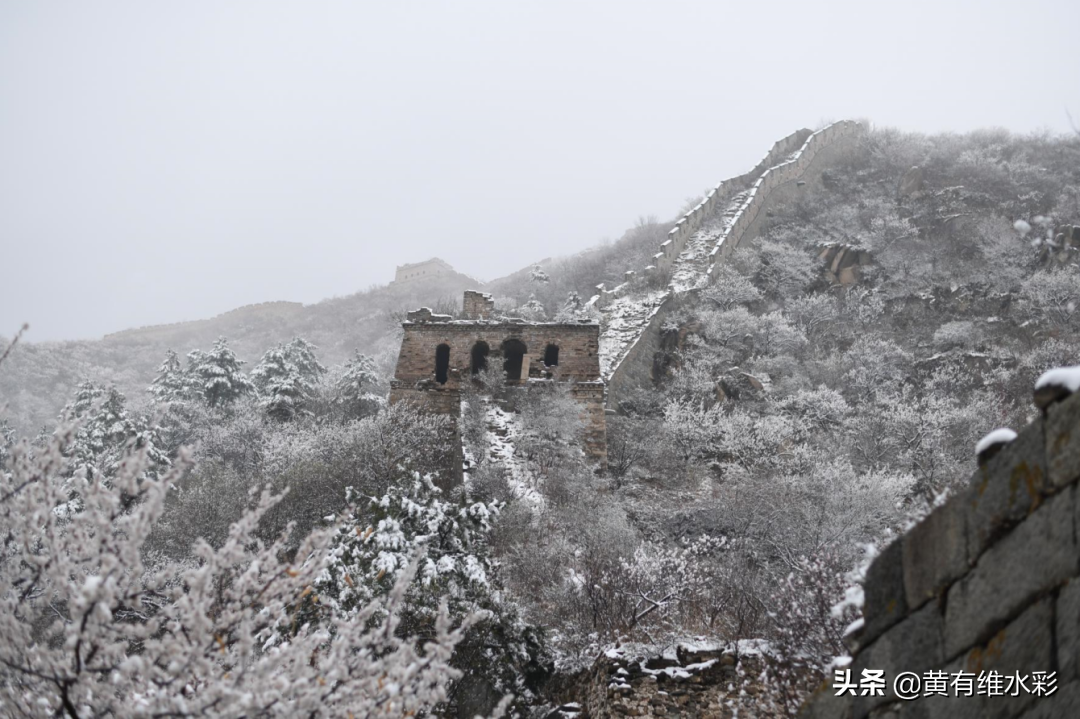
(998,436)
(1065,377)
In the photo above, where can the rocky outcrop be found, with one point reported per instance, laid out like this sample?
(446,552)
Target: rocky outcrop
(696,682)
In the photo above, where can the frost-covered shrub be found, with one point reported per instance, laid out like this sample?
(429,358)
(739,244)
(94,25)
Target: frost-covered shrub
(374,546)
(89,627)
(957,334)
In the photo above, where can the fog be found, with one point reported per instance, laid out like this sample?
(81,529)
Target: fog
(160,163)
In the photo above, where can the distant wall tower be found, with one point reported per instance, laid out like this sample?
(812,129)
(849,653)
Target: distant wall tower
(419,271)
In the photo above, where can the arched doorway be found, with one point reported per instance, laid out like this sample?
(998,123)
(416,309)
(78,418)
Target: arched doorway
(442,363)
(513,351)
(480,352)
(551,355)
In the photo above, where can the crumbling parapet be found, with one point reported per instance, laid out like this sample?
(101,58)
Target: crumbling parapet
(478,305)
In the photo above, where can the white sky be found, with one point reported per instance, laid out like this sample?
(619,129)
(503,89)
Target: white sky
(161,162)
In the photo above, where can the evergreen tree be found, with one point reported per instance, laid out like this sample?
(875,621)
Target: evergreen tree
(106,431)
(216,375)
(356,387)
(532,310)
(371,549)
(538,275)
(172,383)
(286,378)
(572,308)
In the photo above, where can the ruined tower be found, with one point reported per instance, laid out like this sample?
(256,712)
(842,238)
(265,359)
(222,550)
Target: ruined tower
(439,352)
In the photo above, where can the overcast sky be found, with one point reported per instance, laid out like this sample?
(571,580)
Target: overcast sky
(169,161)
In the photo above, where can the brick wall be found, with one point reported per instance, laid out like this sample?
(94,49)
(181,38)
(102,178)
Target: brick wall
(477,305)
(989,581)
(578,347)
(578,362)
(793,177)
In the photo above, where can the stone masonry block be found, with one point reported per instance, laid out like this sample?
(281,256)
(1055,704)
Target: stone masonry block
(1024,646)
(935,551)
(913,645)
(942,707)
(824,704)
(1007,488)
(1063,440)
(1021,646)
(1065,702)
(1067,631)
(885,603)
(1037,555)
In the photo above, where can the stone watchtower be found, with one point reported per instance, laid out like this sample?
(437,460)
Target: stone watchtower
(438,353)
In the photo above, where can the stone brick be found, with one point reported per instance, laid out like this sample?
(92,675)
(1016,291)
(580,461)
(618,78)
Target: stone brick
(1007,488)
(577,361)
(1065,702)
(884,604)
(1037,555)
(935,551)
(1025,646)
(824,704)
(892,711)
(1067,631)
(913,645)
(1063,440)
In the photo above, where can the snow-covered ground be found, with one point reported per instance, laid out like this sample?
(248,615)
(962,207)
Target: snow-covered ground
(691,266)
(625,319)
(623,322)
(502,433)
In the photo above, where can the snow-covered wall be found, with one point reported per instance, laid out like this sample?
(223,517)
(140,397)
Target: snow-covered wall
(786,162)
(792,167)
(988,583)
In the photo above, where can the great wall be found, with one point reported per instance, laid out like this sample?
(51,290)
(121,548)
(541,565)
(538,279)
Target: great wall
(731,213)
(987,584)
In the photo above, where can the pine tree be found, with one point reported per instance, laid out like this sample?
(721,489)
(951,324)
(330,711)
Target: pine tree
(532,310)
(286,378)
(371,549)
(356,388)
(106,431)
(216,375)
(572,308)
(172,383)
(538,275)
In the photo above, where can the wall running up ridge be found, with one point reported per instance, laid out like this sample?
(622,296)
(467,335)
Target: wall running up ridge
(698,242)
(988,582)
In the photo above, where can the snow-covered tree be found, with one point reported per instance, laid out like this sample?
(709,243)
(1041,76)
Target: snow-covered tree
(89,628)
(286,379)
(538,276)
(172,383)
(356,387)
(1052,297)
(105,431)
(532,310)
(551,424)
(216,376)
(375,544)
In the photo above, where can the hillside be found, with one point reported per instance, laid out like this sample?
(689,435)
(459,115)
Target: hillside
(41,377)
(803,375)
